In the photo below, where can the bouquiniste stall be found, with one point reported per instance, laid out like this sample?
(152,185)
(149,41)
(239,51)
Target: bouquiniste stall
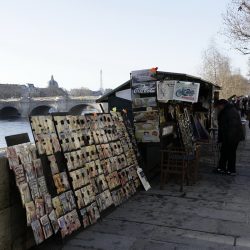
(153,100)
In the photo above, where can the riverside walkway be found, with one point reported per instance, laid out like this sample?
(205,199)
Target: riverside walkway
(213,214)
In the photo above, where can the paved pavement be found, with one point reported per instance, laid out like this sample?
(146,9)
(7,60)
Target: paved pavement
(213,214)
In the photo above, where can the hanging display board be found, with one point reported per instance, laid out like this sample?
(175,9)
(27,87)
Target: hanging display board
(80,167)
(186,91)
(145,111)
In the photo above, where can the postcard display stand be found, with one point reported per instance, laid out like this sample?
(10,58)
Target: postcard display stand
(144,105)
(80,167)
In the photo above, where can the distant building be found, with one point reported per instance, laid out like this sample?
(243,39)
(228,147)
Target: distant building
(12,91)
(29,90)
(52,83)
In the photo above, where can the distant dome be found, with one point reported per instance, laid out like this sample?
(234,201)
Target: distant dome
(52,83)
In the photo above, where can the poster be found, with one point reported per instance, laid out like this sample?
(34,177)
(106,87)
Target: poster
(143,75)
(186,91)
(165,90)
(147,125)
(147,135)
(146,115)
(144,88)
(144,102)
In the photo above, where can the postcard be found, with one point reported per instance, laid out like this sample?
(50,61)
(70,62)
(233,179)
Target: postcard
(37,231)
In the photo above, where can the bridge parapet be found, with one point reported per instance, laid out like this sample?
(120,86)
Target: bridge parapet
(26,105)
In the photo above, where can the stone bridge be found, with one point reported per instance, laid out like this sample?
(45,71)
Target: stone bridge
(25,107)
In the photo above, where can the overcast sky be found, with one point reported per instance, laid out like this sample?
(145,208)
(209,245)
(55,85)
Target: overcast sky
(74,39)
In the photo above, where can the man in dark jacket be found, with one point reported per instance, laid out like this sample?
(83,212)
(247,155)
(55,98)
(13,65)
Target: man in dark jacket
(230,133)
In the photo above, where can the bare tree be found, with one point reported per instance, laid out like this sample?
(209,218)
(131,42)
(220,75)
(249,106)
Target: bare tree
(237,25)
(216,67)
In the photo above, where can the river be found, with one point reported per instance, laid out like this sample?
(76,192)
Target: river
(12,127)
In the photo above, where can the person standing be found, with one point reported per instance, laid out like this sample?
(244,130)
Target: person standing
(230,133)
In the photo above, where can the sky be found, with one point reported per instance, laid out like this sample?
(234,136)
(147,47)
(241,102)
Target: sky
(74,39)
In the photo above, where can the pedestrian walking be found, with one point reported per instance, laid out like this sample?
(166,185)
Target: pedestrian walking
(230,133)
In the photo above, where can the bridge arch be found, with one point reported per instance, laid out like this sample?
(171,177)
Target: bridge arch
(9,111)
(42,110)
(82,109)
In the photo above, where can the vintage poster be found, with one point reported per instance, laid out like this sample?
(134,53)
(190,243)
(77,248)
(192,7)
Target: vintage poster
(144,88)
(143,75)
(147,125)
(144,102)
(147,135)
(186,91)
(146,115)
(165,90)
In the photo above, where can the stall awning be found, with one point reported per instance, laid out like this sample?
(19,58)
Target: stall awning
(161,75)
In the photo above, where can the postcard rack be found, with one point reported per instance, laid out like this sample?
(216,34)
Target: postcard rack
(79,167)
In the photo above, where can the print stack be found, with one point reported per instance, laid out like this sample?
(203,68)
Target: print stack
(80,167)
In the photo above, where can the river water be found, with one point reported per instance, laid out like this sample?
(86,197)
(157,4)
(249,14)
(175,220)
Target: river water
(13,127)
